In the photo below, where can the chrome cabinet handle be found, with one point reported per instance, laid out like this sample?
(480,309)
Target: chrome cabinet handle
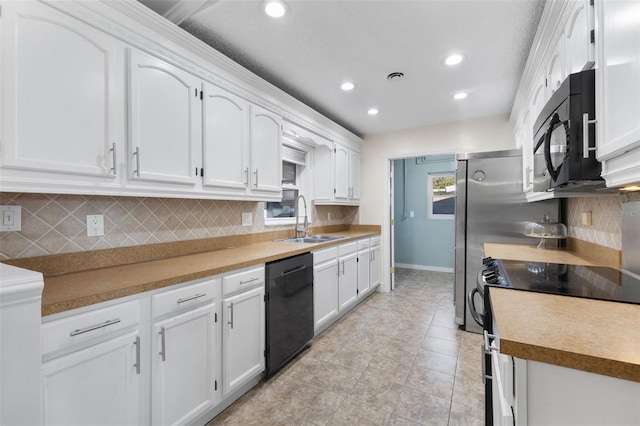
(113,158)
(230,322)
(585,135)
(137,154)
(162,352)
(255,184)
(291,271)
(94,327)
(137,364)
(246,177)
(250,280)
(195,296)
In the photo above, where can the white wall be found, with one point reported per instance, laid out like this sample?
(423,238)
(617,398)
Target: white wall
(484,134)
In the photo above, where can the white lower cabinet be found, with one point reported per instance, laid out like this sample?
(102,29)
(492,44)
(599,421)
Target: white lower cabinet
(91,371)
(243,328)
(364,259)
(342,276)
(165,357)
(347,275)
(184,355)
(374,263)
(98,385)
(325,288)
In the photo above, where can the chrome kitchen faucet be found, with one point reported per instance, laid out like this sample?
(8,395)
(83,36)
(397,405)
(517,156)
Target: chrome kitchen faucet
(306,220)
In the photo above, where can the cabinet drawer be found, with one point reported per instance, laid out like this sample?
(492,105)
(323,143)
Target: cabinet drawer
(325,255)
(87,326)
(348,248)
(244,279)
(374,241)
(363,244)
(183,297)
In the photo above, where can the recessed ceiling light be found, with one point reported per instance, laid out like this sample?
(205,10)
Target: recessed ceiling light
(347,85)
(454,59)
(373,111)
(275,8)
(460,95)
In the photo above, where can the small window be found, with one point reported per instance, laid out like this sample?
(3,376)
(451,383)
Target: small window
(290,189)
(442,195)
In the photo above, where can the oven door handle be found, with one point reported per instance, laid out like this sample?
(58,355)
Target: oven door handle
(472,308)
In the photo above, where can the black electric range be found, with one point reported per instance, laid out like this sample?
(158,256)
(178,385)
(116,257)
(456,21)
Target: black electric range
(591,282)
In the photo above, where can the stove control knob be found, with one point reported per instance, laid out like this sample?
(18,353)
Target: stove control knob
(487,261)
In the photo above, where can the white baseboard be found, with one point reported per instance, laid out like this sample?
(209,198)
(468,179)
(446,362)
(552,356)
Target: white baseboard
(424,268)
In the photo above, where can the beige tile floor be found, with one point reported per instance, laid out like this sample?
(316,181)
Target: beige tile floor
(396,359)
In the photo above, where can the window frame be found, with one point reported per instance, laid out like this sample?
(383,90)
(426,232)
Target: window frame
(430,201)
(302,185)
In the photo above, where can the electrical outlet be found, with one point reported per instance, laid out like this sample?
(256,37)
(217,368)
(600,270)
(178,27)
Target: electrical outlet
(246,219)
(95,225)
(329,216)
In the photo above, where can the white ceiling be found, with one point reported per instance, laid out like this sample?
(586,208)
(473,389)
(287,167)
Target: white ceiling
(321,43)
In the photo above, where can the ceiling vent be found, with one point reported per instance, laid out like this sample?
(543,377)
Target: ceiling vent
(395,76)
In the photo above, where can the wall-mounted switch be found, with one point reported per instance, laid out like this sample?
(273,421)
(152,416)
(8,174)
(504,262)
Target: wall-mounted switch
(11,218)
(95,225)
(412,213)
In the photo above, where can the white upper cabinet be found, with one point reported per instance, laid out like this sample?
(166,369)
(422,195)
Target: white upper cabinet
(61,102)
(618,91)
(266,151)
(241,147)
(556,72)
(346,175)
(225,139)
(578,30)
(106,98)
(341,154)
(164,121)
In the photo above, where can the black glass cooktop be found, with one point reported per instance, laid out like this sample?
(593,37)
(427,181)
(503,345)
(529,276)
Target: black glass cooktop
(571,280)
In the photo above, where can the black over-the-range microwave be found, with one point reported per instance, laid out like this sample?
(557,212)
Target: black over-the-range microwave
(564,153)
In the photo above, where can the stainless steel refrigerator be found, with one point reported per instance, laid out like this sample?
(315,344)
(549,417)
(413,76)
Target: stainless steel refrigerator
(490,207)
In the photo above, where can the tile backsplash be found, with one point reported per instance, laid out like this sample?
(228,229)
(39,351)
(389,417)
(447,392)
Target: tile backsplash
(55,224)
(606,218)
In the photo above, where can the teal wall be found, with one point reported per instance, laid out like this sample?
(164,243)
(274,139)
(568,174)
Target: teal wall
(421,241)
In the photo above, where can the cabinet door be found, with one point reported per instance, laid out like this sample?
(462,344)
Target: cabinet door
(164,121)
(374,273)
(347,281)
(527,152)
(341,161)
(243,338)
(99,385)
(266,151)
(325,294)
(538,98)
(580,49)
(354,175)
(226,138)
(556,69)
(363,272)
(617,84)
(183,366)
(60,93)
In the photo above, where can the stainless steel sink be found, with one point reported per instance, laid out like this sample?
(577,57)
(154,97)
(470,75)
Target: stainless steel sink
(313,239)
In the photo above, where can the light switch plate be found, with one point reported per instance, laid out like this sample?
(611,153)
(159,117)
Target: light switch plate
(11,218)
(246,219)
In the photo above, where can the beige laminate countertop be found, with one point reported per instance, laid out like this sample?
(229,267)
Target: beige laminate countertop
(533,254)
(584,334)
(74,290)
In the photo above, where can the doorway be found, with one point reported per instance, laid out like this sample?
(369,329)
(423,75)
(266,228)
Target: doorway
(422,231)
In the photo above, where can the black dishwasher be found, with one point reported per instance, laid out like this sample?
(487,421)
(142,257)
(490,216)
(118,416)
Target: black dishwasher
(289,309)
